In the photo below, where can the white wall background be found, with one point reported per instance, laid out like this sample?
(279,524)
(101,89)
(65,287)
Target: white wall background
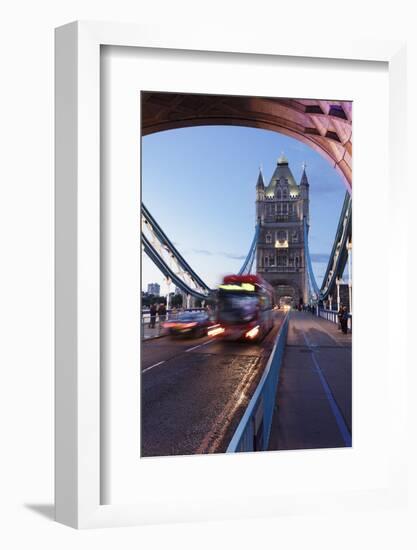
(26,274)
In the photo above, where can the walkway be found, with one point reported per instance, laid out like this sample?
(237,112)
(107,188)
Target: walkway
(314,398)
(148,332)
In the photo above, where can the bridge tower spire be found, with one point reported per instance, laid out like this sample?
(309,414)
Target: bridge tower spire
(304,179)
(260,194)
(305,192)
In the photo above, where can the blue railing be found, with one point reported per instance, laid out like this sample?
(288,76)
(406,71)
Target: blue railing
(331,315)
(253,431)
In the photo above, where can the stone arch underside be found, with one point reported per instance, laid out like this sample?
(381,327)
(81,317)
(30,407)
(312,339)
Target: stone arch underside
(323,125)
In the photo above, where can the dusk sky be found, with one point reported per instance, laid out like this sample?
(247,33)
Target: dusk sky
(199,184)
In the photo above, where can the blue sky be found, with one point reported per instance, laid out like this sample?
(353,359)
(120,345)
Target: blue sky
(199,184)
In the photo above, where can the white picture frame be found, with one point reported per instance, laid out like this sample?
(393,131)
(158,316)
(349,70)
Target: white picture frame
(78,293)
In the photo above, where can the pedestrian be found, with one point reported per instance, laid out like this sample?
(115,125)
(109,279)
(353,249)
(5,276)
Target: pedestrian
(162,312)
(339,317)
(344,320)
(152,312)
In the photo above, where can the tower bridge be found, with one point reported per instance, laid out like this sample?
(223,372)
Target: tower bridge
(305,354)
(292,390)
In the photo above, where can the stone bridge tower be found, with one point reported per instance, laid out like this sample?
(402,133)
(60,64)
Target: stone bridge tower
(281,208)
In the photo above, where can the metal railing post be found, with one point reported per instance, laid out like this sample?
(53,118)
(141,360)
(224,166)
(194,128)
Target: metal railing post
(253,431)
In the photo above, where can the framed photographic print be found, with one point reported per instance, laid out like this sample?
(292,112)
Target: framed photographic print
(210,346)
(209,194)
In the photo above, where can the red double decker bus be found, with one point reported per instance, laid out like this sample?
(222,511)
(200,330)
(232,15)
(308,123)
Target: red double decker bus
(244,308)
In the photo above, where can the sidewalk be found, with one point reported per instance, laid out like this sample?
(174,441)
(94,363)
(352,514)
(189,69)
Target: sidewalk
(314,397)
(149,333)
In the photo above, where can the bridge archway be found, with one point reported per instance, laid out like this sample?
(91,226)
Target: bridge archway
(286,288)
(323,125)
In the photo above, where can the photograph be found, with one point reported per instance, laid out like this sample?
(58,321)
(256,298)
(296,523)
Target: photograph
(246,274)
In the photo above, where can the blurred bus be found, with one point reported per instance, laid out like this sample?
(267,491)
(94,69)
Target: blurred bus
(244,308)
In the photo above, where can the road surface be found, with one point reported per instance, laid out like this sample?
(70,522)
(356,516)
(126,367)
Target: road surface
(194,392)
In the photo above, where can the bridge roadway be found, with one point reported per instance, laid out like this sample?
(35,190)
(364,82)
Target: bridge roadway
(314,398)
(194,392)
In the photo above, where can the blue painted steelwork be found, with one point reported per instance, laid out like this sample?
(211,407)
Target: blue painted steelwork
(167,271)
(253,431)
(338,256)
(164,240)
(312,279)
(248,263)
(346,211)
(203,290)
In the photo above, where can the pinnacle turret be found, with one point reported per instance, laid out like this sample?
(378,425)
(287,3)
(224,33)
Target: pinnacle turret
(304,179)
(282,159)
(260,184)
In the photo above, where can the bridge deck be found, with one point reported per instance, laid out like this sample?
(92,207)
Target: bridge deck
(314,398)
(194,392)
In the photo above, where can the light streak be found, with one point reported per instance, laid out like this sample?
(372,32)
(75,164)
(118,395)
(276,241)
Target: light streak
(253,332)
(215,330)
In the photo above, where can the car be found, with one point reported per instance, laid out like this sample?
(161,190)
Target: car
(191,324)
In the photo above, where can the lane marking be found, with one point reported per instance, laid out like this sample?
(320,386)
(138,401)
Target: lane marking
(152,367)
(340,421)
(165,360)
(200,345)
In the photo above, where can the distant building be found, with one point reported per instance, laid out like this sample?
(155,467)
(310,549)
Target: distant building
(281,208)
(154,288)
